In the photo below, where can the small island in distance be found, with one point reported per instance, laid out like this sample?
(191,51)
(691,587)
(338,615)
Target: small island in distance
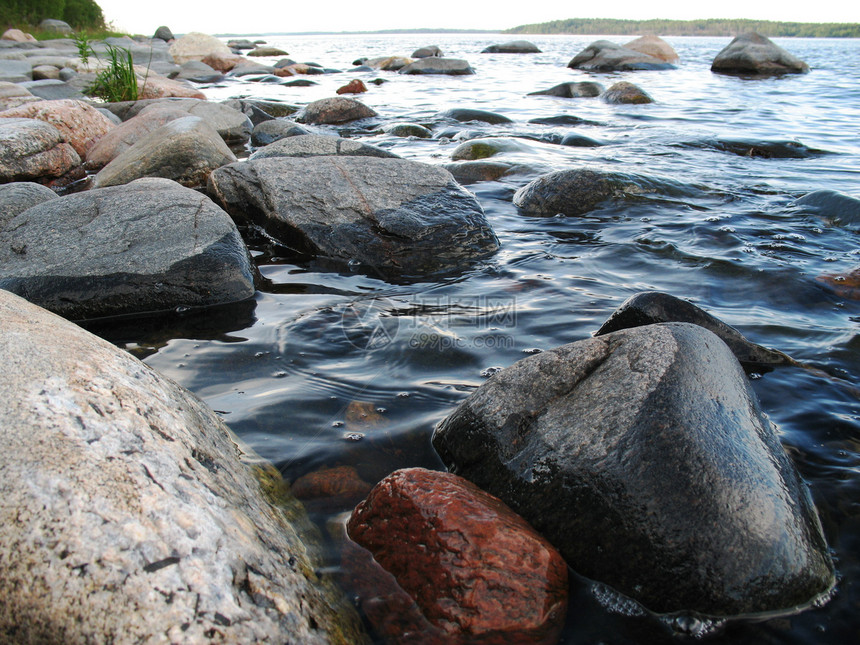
(709,27)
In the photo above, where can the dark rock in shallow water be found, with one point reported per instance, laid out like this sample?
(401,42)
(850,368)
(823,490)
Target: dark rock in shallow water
(578,191)
(572,90)
(470,172)
(606,56)
(512,47)
(836,208)
(626,93)
(644,458)
(435,65)
(755,55)
(576,140)
(490,147)
(338,109)
(151,245)
(319,145)
(465,568)
(649,307)
(427,52)
(562,119)
(408,130)
(390,215)
(469,114)
(274,130)
(762,149)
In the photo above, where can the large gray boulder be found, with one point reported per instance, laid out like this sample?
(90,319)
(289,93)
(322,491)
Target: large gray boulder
(128,133)
(319,145)
(149,246)
(15,71)
(57,26)
(512,47)
(650,307)
(756,55)
(335,110)
(579,190)
(643,456)
(33,149)
(267,132)
(436,65)
(185,150)
(606,56)
(130,514)
(390,215)
(19,196)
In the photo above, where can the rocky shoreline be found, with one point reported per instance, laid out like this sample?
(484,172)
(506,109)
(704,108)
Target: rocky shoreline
(133,489)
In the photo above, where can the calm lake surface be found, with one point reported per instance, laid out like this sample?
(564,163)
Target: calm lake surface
(334,366)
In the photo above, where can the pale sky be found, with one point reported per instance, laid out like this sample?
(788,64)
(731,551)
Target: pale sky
(265,16)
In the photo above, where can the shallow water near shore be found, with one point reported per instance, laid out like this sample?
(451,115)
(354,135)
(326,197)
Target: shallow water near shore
(337,365)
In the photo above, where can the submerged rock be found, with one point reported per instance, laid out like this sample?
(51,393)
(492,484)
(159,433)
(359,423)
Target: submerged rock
(654,46)
(319,145)
(512,47)
(578,191)
(335,110)
(483,148)
(355,86)
(572,90)
(185,150)
(649,307)
(626,93)
(407,130)
(130,514)
(606,56)
(32,149)
(643,456)
(762,149)
(470,114)
(833,207)
(844,285)
(448,563)
(470,172)
(151,245)
(756,55)
(390,215)
(436,65)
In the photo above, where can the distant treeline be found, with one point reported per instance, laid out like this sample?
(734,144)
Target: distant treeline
(80,14)
(712,27)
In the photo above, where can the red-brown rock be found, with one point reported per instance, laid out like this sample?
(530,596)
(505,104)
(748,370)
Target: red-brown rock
(333,489)
(223,62)
(32,150)
(654,46)
(80,124)
(845,285)
(446,562)
(355,86)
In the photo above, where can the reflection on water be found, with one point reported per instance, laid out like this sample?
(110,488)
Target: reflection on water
(288,370)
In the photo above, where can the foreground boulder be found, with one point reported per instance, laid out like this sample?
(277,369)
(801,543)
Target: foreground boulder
(649,307)
(512,47)
(129,514)
(606,56)
(579,190)
(319,145)
(452,564)
(125,135)
(80,123)
(185,150)
(756,55)
(388,214)
(149,246)
(436,65)
(654,46)
(31,149)
(335,110)
(643,456)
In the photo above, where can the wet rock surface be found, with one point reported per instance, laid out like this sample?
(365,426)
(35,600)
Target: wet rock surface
(606,56)
(129,512)
(436,65)
(151,245)
(756,55)
(464,115)
(650,307)
(512,47)
(339,109)
(572,90)
(452,564)
(626,93)
(835,208)
(643,456)
(387,214)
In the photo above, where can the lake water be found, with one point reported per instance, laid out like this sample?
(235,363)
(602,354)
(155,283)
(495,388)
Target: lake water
(293,372)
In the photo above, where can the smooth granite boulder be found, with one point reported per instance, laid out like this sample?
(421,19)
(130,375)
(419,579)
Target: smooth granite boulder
(19,196)
(654,46)
(233,126)
(475,149)
(13,95)
(151,245)
(335,110)
(32,149)
(199,72)
(465,115)
(80,123)
(756,55)
(185,150)
(606,56)
(128,133)
(57,26)
(130,513)
(15,71)
(390,215)
(626,93)
(197,46)
(572,90)
(427,52)
(650,307)
(643,456)
(512,47)
(407,130)
(436,560)
(437,65)
(579,190)
(271,130)
(319,145)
